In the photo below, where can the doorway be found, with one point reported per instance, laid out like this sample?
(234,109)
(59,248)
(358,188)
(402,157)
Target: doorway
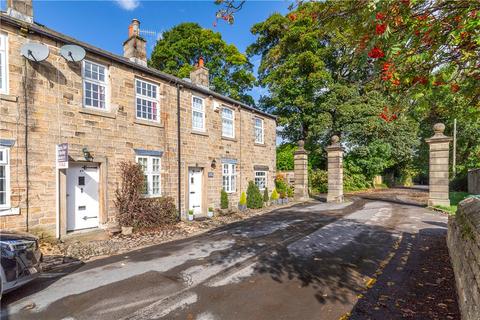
(195,181)
(82,196)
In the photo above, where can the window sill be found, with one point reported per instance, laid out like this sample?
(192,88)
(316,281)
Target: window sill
(8,97)
(148,123)
(259,144)
(106,114)
(200,133)
(229,139)
(9,212)
(149,196)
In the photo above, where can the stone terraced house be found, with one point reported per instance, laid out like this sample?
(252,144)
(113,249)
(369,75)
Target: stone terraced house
(65,127)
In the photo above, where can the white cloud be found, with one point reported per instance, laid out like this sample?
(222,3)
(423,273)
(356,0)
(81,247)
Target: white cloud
(128,4)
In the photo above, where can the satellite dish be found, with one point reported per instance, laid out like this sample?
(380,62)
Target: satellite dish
(35,51)
(72,53)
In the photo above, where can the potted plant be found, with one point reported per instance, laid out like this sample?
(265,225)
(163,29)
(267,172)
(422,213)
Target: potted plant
(290,192)
(265,196)
(242,204)
(190,215)
(210,212)
(282,197)
(126,231)
(274,197)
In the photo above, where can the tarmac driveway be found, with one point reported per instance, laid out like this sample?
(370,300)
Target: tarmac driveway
(309,261)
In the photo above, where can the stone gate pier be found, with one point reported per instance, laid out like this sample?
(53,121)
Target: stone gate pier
(300,164)
(335,171)
(438,168)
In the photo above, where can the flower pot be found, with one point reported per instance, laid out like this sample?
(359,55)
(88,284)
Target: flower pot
(190,217)
(210,214)
(126,231)
(242,207)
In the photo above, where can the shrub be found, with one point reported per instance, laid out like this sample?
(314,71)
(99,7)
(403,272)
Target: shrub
(254,197)
(223,199)
(290,192)
(280,183)
(283,194)
(156,212)
(243,199)
(274,195)
(265,195)
(318,181)
(136,211)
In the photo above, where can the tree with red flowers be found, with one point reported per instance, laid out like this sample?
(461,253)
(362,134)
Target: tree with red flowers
(427,43)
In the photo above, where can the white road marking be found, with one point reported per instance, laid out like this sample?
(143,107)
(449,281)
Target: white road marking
(341,233)
(164,307)
(235,277)
(80,282)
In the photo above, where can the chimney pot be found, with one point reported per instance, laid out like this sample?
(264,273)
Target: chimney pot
(135,47)
(201,62)
(200,75)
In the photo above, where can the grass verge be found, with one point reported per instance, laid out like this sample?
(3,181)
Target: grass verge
(455,198)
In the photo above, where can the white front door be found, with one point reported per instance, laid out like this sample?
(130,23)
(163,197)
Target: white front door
(195,190)
(82,196)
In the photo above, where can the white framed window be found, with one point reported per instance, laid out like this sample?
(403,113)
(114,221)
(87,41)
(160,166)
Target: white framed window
(229,177)
(3,63)
(261,179)
(146,100)
(228,123)
(94,85)
(4,178)
(198,114)
(258,128)
(151,167)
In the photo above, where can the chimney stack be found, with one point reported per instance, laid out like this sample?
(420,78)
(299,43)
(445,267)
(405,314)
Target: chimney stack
(200,75)
(135,47)
(20,9)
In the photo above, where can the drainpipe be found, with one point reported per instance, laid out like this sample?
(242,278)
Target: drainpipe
(179,87)
(25,96)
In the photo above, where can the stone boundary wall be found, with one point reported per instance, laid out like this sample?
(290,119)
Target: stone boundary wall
(464,247)
(474,181)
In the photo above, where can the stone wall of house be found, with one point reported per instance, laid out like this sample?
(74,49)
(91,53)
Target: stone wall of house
(56,115)
(464,247)
(474,181)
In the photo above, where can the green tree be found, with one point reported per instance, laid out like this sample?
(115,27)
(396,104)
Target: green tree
(223,199)
(285,153)
(254,197)
(265,195)
(180,47)
(316,90)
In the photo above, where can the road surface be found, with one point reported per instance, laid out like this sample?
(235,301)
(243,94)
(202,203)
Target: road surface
(309,261)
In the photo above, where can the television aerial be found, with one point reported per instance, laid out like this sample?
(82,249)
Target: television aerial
(72,53)
(35,51)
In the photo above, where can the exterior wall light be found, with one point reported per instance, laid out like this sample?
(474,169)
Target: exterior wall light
(214,164)
(87,155)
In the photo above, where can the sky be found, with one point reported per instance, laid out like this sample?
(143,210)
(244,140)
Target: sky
(105,23)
